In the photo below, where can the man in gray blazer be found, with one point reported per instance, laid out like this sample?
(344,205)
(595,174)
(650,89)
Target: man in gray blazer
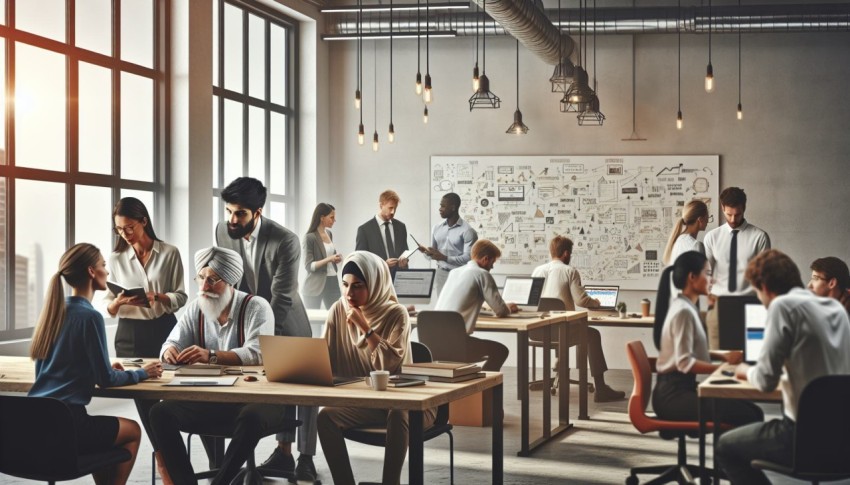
(271,254)
(383,234)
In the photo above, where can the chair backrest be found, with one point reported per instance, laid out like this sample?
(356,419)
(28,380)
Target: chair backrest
(444,333)
(37,436)
(822,432)
(551,305)
(642,368)
(421,353)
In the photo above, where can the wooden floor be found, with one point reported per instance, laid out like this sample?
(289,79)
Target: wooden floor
(598,451)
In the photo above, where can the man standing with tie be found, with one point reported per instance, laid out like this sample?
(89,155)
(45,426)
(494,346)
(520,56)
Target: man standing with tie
(383,234)
(729,248)
(271,254)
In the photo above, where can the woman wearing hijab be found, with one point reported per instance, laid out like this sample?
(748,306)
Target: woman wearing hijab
(367,329)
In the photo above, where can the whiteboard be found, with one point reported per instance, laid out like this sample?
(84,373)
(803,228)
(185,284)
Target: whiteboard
(618,210)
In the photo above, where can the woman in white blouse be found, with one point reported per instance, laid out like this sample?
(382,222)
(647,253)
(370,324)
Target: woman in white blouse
(321,259)
(140,259)
(684,347)
(684,235)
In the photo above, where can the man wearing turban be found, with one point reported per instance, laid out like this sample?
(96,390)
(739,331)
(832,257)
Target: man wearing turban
(221,326)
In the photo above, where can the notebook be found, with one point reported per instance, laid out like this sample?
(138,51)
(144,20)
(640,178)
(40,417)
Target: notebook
(299,360)
(606,294)
(755,318)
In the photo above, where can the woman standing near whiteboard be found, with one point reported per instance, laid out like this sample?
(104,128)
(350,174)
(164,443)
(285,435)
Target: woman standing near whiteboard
(683,238)
(321,259)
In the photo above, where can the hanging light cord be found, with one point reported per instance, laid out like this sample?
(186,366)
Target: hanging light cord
(428,36)
(477,11)
(484,42)
(375,84)
(418,38)
(739,55)
(560,44)
(391,63)
(360,55)
(594,45)
(517,74)
(709,31)
(679,37)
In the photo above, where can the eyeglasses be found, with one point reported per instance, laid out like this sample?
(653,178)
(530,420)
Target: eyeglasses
(128,229)
(209,280)
(818,277)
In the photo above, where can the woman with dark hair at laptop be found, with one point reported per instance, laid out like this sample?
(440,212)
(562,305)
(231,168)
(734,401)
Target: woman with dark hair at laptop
(684,347)
(367,329)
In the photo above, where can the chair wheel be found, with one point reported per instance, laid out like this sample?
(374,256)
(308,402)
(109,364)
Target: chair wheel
(632,480)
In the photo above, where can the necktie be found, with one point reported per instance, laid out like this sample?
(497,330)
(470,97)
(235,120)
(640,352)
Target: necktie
(389,237)
(733,262)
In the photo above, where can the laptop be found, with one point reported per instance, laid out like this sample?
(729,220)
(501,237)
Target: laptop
(414,283)
(755,318)
(523,290)
(299,360)
(732,317)
(606,294)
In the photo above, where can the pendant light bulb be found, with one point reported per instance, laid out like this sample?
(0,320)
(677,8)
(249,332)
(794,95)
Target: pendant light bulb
(361,135)
(679,121)
(391,134)
(427,96)
(709,79)
(357,99)
(375,141)
(475,79)
(418,83)
(425,116)
(740,112)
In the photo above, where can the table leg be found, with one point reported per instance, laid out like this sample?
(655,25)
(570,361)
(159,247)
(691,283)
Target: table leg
(522,390)
(547,383)
(563,376)
(701,405)
(498,437)
(714,437)
(582,365)
(416,447)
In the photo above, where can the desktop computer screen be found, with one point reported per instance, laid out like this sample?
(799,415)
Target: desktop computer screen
(414,283)
(755,318)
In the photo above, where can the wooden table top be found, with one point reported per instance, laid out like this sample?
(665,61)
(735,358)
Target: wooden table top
(741,390)
(17,374)
(600,318)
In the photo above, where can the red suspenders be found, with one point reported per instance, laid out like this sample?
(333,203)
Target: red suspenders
(202,333)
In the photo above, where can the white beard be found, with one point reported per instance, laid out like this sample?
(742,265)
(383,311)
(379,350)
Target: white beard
(212,304)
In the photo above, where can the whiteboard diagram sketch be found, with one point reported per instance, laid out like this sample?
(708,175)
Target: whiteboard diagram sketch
(618,210)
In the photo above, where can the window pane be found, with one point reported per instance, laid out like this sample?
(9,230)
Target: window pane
(137,154)
(233,143)
(233,48)
(218,212)
(277,212)
(278,64)
(2,103)
(94,25)
(40,242)
(3,246)
(256,57)
(44,17)
(137,31)
(215,137)
(256,144)
(2,16)
(277,155)
(215,44)
(93,214)
(39,108)
(95,107)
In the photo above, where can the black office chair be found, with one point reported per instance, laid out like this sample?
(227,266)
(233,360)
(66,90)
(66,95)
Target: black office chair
(38,442)
(535,341)
(444,333)
(822,433)
(378,436)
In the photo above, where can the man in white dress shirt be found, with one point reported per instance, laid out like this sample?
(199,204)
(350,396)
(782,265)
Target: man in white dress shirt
(729,248)
(564,282)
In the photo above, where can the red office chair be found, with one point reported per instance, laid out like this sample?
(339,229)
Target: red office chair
(642,369)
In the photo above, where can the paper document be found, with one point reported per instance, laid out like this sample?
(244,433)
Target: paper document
(202,381)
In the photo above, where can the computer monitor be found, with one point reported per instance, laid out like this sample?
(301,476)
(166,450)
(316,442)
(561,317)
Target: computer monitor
(414,283)
(732,320)
(755,318)
(523,290)
(606,294)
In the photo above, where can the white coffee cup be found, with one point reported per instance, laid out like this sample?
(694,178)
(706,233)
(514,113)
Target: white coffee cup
(378,380)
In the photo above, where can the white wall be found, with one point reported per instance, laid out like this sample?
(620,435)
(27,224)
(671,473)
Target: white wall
(789,152)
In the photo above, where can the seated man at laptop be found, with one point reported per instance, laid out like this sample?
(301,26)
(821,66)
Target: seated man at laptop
(221,326)
(367,329)
(564,282)
(806,336)
(466,289)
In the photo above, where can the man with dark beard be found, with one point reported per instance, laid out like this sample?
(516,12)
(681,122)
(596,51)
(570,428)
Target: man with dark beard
(222,326)
(270,254)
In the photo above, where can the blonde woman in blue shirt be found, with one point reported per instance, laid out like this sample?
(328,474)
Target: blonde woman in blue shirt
(69,347)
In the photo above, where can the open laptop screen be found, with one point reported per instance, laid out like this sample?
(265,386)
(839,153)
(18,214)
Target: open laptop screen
(414,283)
(606,294)
(523,290)
(755,316)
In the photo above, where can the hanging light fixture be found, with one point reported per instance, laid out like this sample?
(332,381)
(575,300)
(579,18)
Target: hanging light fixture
(709,70)
(679,35)
(579,96)
(740,109)
(357,99)
(391,133)
(418,53)
(483,98)
(592,116)
(517,127)
(634,136)
(375,94)
(425,116)
(564,70)
(427,95)
(475,77)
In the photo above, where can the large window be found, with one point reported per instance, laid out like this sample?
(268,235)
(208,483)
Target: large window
(252,103)
(81,89)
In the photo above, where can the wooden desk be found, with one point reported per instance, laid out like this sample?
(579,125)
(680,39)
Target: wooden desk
(599,318)
(18,375)
(708,394)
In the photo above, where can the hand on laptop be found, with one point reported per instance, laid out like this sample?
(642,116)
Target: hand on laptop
(513,307)
(194,355)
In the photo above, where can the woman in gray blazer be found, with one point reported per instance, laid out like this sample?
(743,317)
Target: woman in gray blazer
(321,259)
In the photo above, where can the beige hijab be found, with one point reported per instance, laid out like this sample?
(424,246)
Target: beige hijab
(379,282)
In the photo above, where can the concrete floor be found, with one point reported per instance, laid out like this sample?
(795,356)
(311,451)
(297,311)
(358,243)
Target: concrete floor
(598,451)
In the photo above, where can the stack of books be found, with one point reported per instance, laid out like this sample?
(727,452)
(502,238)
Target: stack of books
(200,370)
(442,371)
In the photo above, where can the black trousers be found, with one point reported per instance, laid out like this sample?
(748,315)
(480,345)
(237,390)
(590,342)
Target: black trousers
(675,399)
(246,424)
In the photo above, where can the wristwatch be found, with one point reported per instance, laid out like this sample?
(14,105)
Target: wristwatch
(369,333)
(213,357)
